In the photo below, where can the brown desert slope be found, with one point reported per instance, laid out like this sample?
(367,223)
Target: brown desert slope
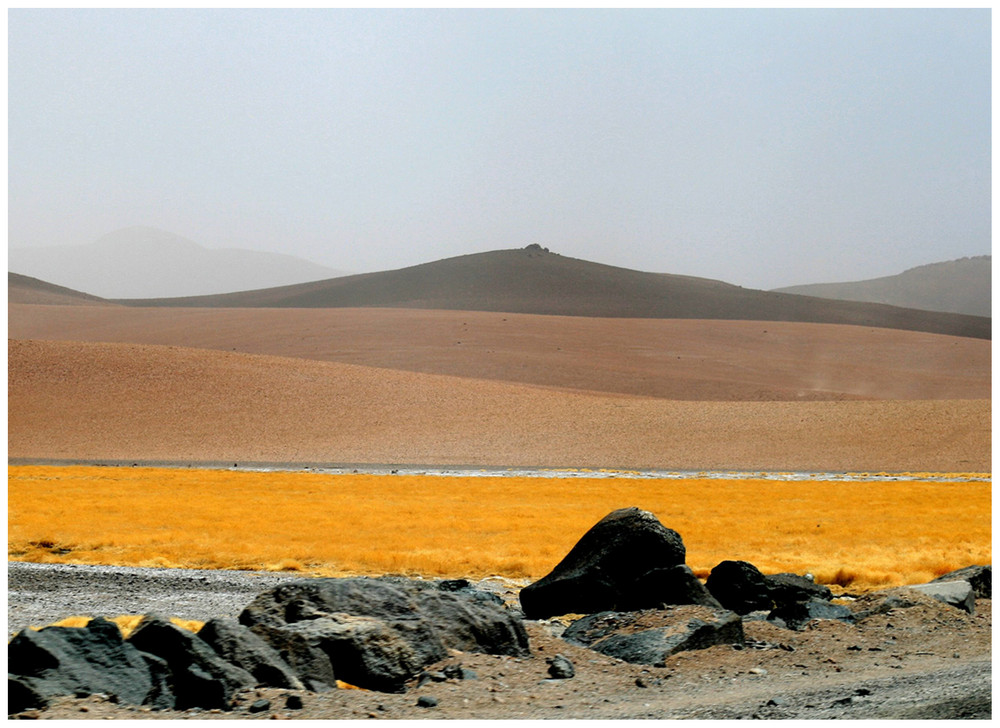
(25,289)
(957,286)
(682,359)
(532,280)
(121,401)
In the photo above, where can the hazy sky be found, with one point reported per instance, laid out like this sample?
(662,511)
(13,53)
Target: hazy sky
(763,148)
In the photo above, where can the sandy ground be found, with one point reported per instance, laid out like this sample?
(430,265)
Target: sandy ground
(120,401)
(673,359)
(927,661)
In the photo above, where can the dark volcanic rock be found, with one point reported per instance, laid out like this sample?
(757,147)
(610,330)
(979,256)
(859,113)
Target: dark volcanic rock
(650,636)
(739,586)
(25,693)
(604,565)
(460,586)
(663,587)
(794,588)
(980,577)
(238,646)
(74,660)
(378,633)
(198,676)
(796,614)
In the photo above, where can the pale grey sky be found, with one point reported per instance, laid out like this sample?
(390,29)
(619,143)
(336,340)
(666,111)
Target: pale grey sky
(763,148)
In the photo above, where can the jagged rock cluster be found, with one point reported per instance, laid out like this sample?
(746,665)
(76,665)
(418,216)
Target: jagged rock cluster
(308,634)
(627,575)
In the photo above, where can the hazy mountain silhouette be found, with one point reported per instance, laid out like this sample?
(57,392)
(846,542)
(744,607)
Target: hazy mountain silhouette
(25,289)
(142,261)
(533,280)
(955,286)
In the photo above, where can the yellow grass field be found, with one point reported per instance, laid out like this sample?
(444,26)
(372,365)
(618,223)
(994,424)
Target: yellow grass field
(862,534)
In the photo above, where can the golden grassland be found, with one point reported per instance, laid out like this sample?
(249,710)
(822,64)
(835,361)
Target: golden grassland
(866,534)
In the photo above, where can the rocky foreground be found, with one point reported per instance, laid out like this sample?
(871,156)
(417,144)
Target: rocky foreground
(648,640)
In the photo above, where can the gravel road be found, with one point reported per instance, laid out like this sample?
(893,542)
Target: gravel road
(39,594)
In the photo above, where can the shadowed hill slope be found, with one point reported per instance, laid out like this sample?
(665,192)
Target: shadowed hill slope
(955,286)
(532,280)
(25,289)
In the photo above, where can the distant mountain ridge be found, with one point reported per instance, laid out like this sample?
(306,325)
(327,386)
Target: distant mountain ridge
(955,286)
(148,262)
(533,280)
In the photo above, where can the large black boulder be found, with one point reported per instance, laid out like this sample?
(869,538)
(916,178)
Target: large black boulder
(378,633)
(601,570)
(649,637)
(80,661)
(199,677)
(739,586)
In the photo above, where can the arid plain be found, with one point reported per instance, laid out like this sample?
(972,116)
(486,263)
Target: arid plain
(481,388)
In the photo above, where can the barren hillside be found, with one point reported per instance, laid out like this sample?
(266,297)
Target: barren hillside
(533,280)
(120,401)
(25,289)
(957,286)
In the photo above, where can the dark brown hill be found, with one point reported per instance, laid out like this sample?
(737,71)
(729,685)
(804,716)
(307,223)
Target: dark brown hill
(532,280)
(25,289)
(955,286)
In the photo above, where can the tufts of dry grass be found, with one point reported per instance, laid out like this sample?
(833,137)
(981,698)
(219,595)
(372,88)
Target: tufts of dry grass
(126,623)
(857,534)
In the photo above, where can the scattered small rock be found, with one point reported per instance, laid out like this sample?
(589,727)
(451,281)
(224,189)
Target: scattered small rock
(426,701)
(457,672)
(560,667)
(260,705)
(430,676)
(293,702)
